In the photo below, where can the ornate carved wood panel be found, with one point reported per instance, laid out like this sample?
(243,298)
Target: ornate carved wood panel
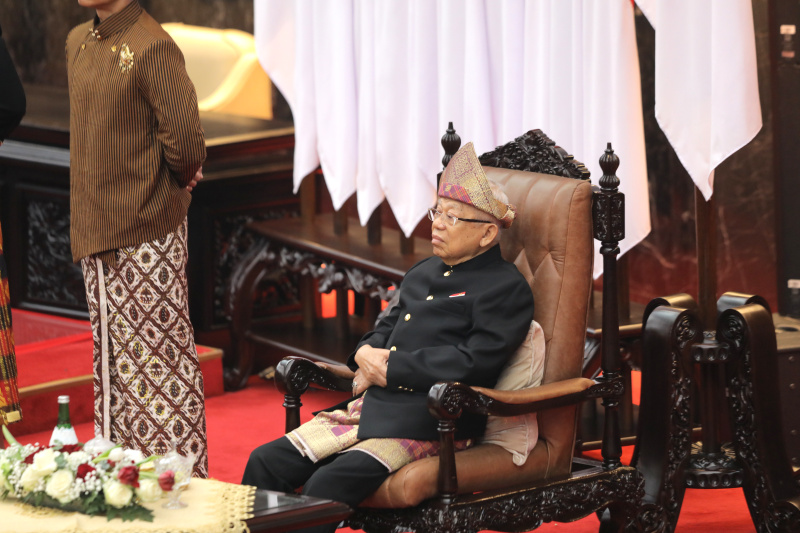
(51,276)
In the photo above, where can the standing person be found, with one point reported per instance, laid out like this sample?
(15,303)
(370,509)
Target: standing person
(136,150)
(12,109)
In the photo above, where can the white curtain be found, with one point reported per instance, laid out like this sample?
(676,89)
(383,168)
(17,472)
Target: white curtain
(707,98)
(372,85)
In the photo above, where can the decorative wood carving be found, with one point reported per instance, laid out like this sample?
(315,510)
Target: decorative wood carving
(535,152)
(745,347)
(295,374)
(670,334)
(451,142)
(608,216)
(523,510)
(270,263)
(609,205)
(52,277)
(607,388)
(765,470)
(231,244)
(330,275)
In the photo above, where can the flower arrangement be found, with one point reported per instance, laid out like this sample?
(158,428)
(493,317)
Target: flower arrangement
(95,478)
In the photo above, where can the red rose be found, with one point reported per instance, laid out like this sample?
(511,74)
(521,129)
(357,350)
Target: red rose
(129,475)
(166,480)
(29,460)
(70,448)
(84,469)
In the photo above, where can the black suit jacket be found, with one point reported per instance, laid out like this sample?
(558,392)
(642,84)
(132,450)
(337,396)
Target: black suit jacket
(462,326)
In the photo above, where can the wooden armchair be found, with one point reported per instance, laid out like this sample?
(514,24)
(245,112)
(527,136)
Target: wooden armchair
(481,488)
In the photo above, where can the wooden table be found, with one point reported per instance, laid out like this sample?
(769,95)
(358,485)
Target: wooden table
(276,511)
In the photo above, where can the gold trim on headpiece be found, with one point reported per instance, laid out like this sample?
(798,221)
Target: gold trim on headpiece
(464,180)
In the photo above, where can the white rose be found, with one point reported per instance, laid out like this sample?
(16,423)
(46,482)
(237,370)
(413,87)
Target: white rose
(134,455)
(149,490)
(59,485)
(117,494)
(44,462)
(116,455)
(75,459)
(29,479)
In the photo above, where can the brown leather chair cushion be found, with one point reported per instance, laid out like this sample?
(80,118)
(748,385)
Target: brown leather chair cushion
(551,244)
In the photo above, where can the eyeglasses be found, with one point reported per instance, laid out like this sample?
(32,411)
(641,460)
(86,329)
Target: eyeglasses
(433,214)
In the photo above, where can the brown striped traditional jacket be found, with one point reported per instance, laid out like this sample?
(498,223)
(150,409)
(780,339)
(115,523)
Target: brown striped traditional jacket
(135,134)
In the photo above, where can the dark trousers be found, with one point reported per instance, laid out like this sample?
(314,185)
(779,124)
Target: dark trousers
(347,477)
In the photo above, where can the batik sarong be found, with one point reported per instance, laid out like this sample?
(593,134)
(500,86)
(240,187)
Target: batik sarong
(147,381)
(9,394)
(333,432)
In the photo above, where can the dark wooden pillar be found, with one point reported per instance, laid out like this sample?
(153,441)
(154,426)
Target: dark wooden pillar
(609,217)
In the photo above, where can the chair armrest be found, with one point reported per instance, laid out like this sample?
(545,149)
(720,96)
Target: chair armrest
(446,400)
(294,375)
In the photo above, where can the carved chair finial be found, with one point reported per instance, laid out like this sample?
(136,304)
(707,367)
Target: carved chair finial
(451,142)
(609,162)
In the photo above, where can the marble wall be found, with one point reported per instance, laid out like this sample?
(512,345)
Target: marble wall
(664,263)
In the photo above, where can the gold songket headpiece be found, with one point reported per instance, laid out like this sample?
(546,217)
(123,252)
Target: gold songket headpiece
(464,180)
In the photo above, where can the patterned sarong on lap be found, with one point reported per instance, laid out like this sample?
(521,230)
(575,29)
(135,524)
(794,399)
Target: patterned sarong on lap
(147,380)
(331,432)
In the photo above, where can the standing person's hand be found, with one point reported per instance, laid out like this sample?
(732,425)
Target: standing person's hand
(197,177)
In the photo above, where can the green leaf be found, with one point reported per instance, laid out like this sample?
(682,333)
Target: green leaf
(9,437)
(105,454)
(148,459)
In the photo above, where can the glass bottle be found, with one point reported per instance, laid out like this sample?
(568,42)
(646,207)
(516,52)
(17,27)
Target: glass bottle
(63,432)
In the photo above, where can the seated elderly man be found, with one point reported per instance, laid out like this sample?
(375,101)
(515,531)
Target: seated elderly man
(460,316)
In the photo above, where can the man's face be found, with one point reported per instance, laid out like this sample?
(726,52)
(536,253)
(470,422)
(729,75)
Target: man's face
(459,243)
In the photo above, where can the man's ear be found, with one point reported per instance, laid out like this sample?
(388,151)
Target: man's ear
(489,234)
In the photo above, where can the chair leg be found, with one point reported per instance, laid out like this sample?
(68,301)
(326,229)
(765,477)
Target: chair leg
(618,519)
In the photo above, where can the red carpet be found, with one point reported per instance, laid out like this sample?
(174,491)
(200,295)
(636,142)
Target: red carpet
(240,421)
(54,356)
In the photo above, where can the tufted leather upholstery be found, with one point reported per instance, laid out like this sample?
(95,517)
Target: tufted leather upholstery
(225,70)
(551,244)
